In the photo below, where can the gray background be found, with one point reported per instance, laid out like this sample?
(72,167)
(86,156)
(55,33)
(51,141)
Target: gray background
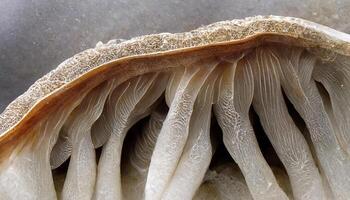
(35,36)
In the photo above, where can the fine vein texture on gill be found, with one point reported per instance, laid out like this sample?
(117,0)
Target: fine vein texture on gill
(301,89)
(335,78)
(135,175)
(127,104)
(197,153)
(287,140)
(81,175)
(29,176)
(232,112)
(174,132)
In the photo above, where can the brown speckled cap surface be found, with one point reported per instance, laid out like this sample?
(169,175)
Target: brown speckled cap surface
(310,34)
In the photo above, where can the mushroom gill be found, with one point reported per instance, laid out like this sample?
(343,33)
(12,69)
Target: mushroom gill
(244,109)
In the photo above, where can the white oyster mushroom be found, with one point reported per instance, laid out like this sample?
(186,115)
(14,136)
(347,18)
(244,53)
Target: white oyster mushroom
(245,109)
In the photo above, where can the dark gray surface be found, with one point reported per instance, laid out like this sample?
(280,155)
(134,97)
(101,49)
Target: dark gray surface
(35,36)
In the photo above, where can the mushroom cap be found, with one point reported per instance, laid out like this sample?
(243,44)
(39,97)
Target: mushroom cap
(125,59)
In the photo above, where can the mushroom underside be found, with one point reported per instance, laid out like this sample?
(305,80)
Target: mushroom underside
(271,122)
